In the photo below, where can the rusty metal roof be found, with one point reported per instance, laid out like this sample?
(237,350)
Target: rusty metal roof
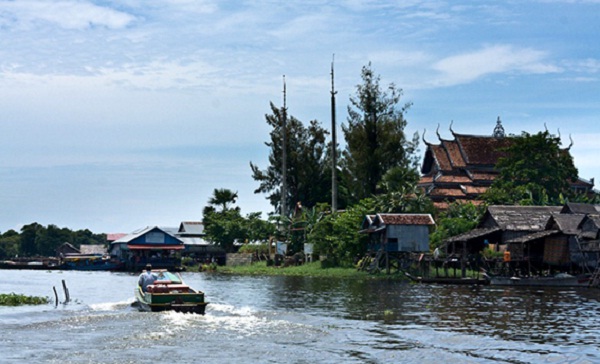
(405,219)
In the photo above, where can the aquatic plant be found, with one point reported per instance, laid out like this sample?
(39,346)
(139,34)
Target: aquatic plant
(13,299)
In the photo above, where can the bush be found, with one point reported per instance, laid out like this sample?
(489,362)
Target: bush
(13,299)
(254,248)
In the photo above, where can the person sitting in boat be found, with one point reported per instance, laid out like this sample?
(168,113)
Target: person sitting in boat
(147,278)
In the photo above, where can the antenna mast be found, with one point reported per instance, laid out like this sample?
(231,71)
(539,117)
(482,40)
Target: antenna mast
(284,154)
(334,188)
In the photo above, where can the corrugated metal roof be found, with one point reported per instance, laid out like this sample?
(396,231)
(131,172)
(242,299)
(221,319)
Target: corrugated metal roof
(191,227)
(138,233)
(92,249)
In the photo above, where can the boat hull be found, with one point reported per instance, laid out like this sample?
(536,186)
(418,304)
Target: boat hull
(556,281)
(192,302)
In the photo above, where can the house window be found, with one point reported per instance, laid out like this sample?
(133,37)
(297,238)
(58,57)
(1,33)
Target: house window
(155,237)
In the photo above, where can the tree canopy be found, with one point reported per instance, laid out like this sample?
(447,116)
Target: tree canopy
(308,171)
(224,224)
(536,171)
(375,139)
(36,239)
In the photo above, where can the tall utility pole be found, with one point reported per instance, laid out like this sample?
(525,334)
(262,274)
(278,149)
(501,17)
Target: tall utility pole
(334,189)
(284,155)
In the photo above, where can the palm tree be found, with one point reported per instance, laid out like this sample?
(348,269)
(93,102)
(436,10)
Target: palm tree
(223,198)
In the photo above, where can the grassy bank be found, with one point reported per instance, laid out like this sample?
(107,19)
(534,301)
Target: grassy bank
(306,270)
(13,299)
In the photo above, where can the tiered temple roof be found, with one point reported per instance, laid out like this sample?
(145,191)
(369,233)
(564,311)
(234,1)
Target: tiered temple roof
(464,168)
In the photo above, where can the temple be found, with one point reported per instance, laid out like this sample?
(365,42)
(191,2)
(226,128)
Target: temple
(464,168)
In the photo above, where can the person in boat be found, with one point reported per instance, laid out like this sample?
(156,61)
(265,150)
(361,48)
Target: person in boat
(147,278)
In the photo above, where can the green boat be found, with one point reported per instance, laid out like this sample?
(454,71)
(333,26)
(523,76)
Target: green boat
(170,293)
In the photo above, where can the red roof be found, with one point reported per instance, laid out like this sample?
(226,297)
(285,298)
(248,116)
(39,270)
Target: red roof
(155,247)
(406,219)
(114,236)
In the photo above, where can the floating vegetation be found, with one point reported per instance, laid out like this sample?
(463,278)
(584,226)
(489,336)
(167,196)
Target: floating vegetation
(13,299)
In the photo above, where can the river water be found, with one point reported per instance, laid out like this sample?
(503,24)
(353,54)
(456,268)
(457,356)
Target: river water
(298,320)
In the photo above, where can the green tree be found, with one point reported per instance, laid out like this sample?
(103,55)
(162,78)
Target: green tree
(400,193)
(308,171)
(28,239)
(375,140)
(536,171)
(457,219)
(225,228)
(50,238)
(258,229)
(223,198)
(224,224)
(10,243)
(337,235)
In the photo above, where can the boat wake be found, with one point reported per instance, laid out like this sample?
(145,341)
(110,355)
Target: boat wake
(112,306)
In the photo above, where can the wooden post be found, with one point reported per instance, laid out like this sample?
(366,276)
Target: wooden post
(55,297)
(67,298)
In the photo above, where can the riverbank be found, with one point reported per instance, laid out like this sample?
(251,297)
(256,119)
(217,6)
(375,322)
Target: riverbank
(313,269)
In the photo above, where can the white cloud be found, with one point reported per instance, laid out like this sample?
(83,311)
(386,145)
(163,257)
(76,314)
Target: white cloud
(467,67)
(65,14)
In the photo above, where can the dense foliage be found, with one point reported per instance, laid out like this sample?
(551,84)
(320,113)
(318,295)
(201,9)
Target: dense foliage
(536,171)
(337,236)
(13,299)
(35,240)
(308,172)
(224,225)
(375,140)
(457,219)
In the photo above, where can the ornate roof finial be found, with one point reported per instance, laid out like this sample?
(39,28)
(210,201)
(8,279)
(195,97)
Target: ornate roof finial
(499,129)
(437,132)
(423,137)
(570,145)
(452,131)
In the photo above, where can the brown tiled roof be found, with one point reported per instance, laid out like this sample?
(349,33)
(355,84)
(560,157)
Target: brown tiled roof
(481,150)
(483,176)
(473,190)
(449,192)
(441,157)
(453,179)
(425,179)
(453,150)
(443,205)
(406,219)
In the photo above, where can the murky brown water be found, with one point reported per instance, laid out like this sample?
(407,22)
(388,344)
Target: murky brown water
(299,320)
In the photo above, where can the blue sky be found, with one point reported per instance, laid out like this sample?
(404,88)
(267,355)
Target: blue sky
(116,115)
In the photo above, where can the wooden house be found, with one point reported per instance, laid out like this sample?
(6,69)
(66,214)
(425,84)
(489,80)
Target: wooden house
(501,225)
(393,236)
(399,232)
(537,238)
(66,249)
